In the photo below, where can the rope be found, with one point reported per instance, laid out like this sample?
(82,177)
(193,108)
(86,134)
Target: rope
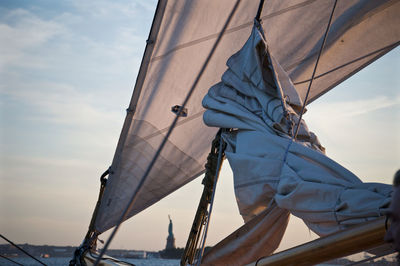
(103,183)
(15,245)
(198,250)
(220,152)
(11,260)
(150,166)
(191,251)
(315,69)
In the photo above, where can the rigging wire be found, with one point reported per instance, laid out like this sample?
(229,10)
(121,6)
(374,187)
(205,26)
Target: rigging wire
(15,245)
(150,166)
(212,199)
(4,257)
(315,69)
(197,255)
(191,251)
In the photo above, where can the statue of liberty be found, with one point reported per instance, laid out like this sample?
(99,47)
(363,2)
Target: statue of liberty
(170,238)
(170,227)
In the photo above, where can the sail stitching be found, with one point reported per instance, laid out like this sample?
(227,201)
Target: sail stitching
(234,29)
(389,47)
(183,121)
(311,55)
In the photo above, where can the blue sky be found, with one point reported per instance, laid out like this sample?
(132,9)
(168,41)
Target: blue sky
(67,69)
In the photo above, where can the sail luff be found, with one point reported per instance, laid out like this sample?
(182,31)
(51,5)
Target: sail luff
(152,38)
(140,78)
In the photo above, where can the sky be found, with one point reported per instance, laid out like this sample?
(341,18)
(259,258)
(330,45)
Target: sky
(67,69)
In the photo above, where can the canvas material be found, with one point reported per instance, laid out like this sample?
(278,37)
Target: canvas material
(269,165)
(361,32)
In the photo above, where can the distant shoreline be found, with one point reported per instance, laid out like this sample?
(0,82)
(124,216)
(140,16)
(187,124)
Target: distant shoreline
(10,251)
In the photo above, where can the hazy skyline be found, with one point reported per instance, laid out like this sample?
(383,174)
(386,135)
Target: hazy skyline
(67,70)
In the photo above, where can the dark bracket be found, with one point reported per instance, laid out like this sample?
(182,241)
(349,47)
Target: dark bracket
(177,109)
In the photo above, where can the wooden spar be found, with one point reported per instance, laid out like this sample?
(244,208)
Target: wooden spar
(341,244)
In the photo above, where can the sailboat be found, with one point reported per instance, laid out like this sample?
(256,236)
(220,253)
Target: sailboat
(248,69)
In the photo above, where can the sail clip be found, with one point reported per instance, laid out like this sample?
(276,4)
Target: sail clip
(179,111)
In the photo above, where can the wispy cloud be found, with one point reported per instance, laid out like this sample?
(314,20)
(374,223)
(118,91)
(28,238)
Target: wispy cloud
(67,70)
(343,109)
(362,135)
(104,8)
(61,104)
(19,39)
(63,76)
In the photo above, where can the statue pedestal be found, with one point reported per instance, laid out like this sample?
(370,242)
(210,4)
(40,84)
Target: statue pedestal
(170,242)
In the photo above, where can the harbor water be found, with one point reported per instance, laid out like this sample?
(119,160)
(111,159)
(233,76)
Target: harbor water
(65,261)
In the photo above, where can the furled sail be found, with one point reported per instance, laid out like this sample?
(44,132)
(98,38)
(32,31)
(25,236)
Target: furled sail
(274,173)
(182,35)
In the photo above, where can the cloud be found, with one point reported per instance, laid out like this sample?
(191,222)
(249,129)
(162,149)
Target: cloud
(28,33)
(60,104)
(102,8)
(349,109)
(362,135)
(67,72)
(66,81)
(69,41)
(64,76)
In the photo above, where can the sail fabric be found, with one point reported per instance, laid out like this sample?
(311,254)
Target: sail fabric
(266,230)
(181,37)
(271,166)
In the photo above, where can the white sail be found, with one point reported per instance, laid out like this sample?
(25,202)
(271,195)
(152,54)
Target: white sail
(182,35)
(274,173)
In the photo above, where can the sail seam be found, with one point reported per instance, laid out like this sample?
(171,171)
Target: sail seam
(183,121)
(143,140)
(312,54)
(348,75)
(154,31)
(389,47)
(232,30)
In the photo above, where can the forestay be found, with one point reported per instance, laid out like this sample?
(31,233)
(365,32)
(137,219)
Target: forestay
(181,37)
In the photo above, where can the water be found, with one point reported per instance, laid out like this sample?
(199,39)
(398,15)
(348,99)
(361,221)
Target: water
(65,261)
